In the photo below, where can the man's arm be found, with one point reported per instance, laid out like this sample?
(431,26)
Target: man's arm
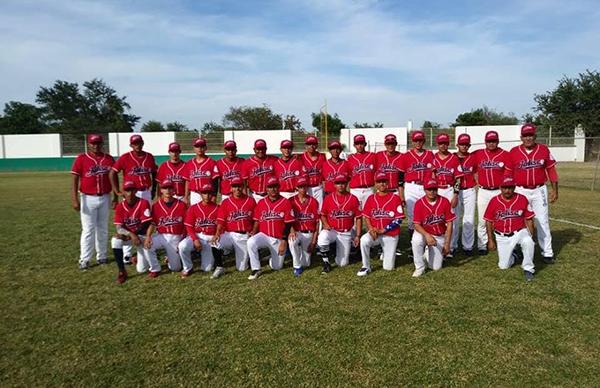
(254,228)
(75,192)
(490,233)
(187,193)
(149,233)
(529,223)
(326,225)
(447,239)
(154,183)
(431,241)
(113,176)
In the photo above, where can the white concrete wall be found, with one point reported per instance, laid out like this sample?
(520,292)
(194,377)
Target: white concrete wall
(156,143)
(374,137)
(510,135)
(245,139)
(565,154)
(32,146)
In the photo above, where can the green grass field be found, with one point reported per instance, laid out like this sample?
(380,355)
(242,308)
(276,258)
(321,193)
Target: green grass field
(469,324)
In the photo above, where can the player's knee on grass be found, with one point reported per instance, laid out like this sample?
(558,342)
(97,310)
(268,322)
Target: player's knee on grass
(116,243)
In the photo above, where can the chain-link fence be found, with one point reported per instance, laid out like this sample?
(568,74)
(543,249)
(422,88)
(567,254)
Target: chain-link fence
(76,143)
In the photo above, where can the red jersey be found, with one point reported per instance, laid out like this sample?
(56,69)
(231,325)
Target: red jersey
(169,219)
(341,210)
(306,214)
(201,218)
(174,172)
(362,170)
(433,216)
(313,168)
(331,170)
(257,171)
(137,169)
(383,209)
(390,165)
(237,214)
(228,170)
(490,166)
(200,173)
(529,168)
(273,215)
(93,173)
(508,216)
(467,167)
(287,172)
(446,170)
(417,168)
(132,217)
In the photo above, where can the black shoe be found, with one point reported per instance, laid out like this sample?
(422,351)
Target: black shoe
(483,252)
(102,261)
(528,275)
(126,259)
(549,260)
(326,268)
(468,252)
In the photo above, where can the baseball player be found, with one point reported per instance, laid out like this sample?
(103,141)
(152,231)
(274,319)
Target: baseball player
(466,198)
(313,162)
(531,164)
(433,223)
(388,161)
(201,226)
(90,178)
(339,214)
(273,221)
(287,170)
(510,217)
(229,167)
(362,170)
(168,215)
(132,219)
(173,170)
(257,169)
(306,213)
(334,166)
(199,171)
(234,224)
(380,210)
(490,164)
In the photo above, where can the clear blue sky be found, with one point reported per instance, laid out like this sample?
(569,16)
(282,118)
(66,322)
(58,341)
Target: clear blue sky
(387,61)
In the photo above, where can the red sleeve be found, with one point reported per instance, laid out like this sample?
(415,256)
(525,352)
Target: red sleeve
(146,214)
(289,217)
(509,164)
(215,172)
(458,173)
(399,210)
(185,173)
(245,174)
(155,215)
(356,205)
(528,209)
(325,207)
(368,207)
(190,218)
(221,215)
(191,232)
(76,169)
(489,211)
(417,213)
(256,216)
(118,166)
(118,220)
(160,173)
(448,214)
(401,162)
(153,165)
(552,174)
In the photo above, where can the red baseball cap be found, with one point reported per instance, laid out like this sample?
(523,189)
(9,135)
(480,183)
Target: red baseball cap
(390,139)
(174,146)
(272,181)
(199,142)
(443,138)
(464,138)
(311,140)
(430,184)
(340,178)
(230,144)
(507,181)
(334,144)
(260,143)
(302,181)
(528,129)
(286,144)
(236,181)
(135,139)
(417,135)
(359,139)
(491,136)
(95,138)
(128,185)
(381,176)
(207,187)
(166,183)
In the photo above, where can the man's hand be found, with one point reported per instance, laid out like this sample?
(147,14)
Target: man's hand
(214,240)
(198,245)
(292,236)
(282,248)
(148,243)
(186,200)
(373,233)
(356,242)
(553,196)
(76,205)
(491,245)
(454,201)
(136,240)
(431,241)
(123,237)
(311,247)
(380,231)
(446,248)
(114,202)
(326,226)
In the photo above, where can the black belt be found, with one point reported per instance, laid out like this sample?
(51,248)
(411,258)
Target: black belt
(96,195)
(531,187)
(416,182)
(238,231)
(343,230)
(507,234)
(489,188)
(306,231)
(392,190)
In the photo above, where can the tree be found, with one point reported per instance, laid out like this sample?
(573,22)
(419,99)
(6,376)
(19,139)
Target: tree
(376,124)
(153,126)
(21,118)
(334,123)
(291,122)
(176,126)
(211,127)
(485,116)
(431,125)
(247,118)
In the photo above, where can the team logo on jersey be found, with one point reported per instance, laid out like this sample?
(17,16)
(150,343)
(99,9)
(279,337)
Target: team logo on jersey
(443,170)
(139,171)
(97,170)
(262,170)
(313,170)
(175,177)
(419,166)
(465,169)
(131,222)
(270,215)
(169,221)
(205,222)
(386,167)
(529,164)
(239,215)
(433,219)
(230,174)
(286,175)
(491,164)
(339,213)
(361,167)
(304,216)
(382,214)
(196,174)
(507,214)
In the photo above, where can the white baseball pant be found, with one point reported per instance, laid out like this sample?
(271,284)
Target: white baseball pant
(147,195)
(256,196)
(434,253)
(170,243)
(94,226)
(225,196)
(388,244)
(343,243)
(483,199)
(466,206)
(362,195)
(238,243)
(287,194)
(179,197)
(317,193)
(195,198)
(506,246)
(299,249)
(261,240)
(186,246)
(412,193)
(146,261)
(538,199)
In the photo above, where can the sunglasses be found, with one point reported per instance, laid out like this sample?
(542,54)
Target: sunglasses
(230,149)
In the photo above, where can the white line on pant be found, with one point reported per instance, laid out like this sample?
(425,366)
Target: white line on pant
(575,223)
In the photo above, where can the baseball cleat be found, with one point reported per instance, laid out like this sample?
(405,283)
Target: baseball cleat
(468,252)
(528,275)
(449,256)
(549,260)
(418,272)
(127,260)
(483,252)
(122,277)
(186,274)
(398,252)
(364,272)
(154,275)
(326,268)
(411,256)
(219,271)
(84,266)
(102,261)
(298,271)
(255,274)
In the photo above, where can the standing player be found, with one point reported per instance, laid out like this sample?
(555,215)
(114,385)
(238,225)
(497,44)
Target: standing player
(199,171)
(273,221)
(306,213)
(257,169)
(388,161)
(382,214)
(334,166)
(509,216)
(287,170)
(313,162)
(490,164)
(362,170)
(466,198)
(532,164)
(90,177)
(433,223)
(339,214)
(173,170)
(229,167)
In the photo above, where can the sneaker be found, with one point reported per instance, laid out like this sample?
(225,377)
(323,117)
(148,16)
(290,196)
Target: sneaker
(298,271)
(483,252)
(364,272)
(186,274)
(122,277)
(549,260)
(255,274)
(411,256)
(166,260)
(326,268)
(528,275)
(449,256)
(418,272)
(102,261)
(153,275)
(219,271)
(468,252)
(398,252)
(127,260)
(84,266)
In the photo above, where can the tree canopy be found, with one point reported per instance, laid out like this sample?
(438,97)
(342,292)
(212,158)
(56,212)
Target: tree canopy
(485,116)
(20,118)
(247,118)
(334,123)
(431,125)
(376,124)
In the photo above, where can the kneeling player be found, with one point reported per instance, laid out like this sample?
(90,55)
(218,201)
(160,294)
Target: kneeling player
(433,223)
(509,216)
(382,214)
(306,213)
(338,214)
